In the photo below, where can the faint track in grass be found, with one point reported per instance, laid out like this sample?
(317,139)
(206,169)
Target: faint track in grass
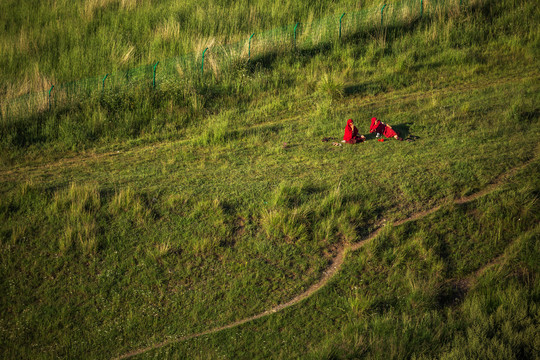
(337,262)
(356,101)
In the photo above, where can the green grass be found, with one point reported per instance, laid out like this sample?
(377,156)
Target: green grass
(404,294)
(43,42)
(139,216)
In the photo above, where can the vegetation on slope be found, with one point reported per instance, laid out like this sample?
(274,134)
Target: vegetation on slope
(146,215)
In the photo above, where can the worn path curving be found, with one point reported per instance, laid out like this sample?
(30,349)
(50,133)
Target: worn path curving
(335,267)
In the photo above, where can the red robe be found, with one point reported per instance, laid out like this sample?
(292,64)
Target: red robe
(351,136)
(378,126)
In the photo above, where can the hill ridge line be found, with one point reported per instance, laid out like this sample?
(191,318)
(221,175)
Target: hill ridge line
(337,262)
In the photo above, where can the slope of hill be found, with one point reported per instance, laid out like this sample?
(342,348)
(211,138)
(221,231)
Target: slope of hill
(140,222)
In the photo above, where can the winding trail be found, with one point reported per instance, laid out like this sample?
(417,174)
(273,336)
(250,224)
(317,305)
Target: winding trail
(336,264)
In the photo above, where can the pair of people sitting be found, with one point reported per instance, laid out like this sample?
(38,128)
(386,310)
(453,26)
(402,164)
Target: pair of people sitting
(351,135)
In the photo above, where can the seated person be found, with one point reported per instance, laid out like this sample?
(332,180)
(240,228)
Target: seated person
(381,128)
(351,134)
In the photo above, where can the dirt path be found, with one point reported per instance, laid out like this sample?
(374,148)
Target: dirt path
(336,265)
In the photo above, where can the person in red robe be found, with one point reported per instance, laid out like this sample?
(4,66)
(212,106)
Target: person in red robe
(351,134)
(382,128)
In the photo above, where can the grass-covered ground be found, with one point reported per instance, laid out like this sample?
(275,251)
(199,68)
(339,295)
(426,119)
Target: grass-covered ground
(147,215)
(43,42)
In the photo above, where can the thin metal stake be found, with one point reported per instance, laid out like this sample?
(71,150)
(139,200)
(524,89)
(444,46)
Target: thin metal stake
(50,97)
(249,47)
(295,26)
(340,25)
(202,65)
(154,82)
(103,88)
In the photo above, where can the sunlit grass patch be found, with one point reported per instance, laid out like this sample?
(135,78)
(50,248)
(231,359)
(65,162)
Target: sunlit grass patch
(76,209)
(290,226)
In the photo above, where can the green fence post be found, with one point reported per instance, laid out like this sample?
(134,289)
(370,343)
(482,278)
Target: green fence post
(50,97)
(249,47)
(154,81)
(382,14)
(295,26)
(340,25)
(103,87)
(421,8)
(202,65)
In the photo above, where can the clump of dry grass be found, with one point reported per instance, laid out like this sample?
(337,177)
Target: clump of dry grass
(91,6)
(127,201)
(76,209)
(31,82)
(408,14)
(128,55)
(331,87)
(169,30)
(160,249)
(130,4)
(210,58)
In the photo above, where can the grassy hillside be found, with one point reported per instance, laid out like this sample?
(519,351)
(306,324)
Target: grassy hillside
(136,218)
(43,42)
